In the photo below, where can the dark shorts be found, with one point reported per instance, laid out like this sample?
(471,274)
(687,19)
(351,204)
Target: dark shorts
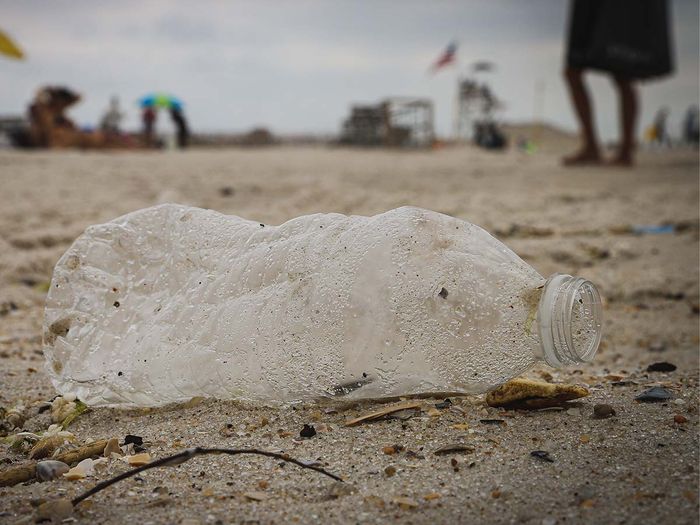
(627,38)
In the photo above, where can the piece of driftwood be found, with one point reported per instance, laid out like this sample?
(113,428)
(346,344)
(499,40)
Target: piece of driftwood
(27,471)
(376,414)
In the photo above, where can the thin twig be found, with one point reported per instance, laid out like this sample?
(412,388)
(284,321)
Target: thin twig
(181,457)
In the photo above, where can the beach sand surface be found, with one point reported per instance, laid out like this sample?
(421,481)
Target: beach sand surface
(640,466)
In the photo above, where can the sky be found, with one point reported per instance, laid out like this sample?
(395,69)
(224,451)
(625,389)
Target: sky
(297,66)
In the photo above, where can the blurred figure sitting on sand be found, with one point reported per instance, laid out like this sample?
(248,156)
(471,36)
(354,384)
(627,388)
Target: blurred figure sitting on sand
(661,136)
(628,39)
(111,120)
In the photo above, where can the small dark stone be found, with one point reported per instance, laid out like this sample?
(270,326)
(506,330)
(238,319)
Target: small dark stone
(662,366)
(137,441)
(444,404)
(542,455)
(226,191)
(654,395)
(443,293)
(116,304)
(308,431)
(603,411)
(130,438)
(492,421)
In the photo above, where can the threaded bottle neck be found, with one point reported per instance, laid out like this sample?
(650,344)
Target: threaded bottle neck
(569,320)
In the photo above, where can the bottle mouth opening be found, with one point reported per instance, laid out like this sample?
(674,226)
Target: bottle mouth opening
(569,318)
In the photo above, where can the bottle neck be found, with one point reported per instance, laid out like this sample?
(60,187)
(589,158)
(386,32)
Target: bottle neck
(569,321)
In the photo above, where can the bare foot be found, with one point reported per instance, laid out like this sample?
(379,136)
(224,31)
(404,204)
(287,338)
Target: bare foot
(582,158)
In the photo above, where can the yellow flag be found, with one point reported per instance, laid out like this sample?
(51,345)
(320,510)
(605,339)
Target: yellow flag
(8,47)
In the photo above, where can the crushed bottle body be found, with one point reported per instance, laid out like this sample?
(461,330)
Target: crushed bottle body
(172,302)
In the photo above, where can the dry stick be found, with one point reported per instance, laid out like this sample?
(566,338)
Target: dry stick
(26,472)
(181,457)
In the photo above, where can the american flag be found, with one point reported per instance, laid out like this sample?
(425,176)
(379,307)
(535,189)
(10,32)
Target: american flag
(447,57)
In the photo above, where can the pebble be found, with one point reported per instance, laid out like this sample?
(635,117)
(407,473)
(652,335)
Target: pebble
(603,411)
(390,471)
(542,455)
(50,469)
(678,418)
(662,366)
(654,395)
(54,511)
(308,431)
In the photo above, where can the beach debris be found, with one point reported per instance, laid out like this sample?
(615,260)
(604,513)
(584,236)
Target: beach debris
(50,469)
(404,415)
(393,449)
(226,191)
(446,403)
(375,501)
(138,460)
(307,432)
(55,510)
(431,496)
(662,366)
(390,471)
(15,416)
(657,347)
(112,447)
(136,442)
(603,411)
(382,413)
(542,455)
(532,395)
(25,472)
(680,419)
(460,426)
(64,409)
(50,442)
(492,421)
(406,503)
(655,394)
(455,464)
(81,471)
(255,495)
(454,448)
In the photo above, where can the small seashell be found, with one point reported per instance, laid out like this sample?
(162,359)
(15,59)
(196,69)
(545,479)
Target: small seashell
(112,447)
(50,469)
(81,471)
(139,459)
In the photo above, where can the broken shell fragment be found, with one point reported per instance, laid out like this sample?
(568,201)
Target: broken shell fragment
(81,471)
(139,459)
(532,395)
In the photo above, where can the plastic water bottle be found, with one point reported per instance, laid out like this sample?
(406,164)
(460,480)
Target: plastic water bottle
(172,302)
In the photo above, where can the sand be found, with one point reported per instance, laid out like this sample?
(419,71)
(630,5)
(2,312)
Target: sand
(637,467)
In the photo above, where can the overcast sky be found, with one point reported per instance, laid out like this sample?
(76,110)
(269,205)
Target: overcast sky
(296,66)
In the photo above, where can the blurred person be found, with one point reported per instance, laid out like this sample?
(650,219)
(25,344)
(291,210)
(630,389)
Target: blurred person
(183,134)
(661,137)
(691,127)
(629,40)
(112,118)
(148,117)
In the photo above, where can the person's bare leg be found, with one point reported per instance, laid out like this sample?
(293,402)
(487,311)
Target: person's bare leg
(629,109)
(590,152)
